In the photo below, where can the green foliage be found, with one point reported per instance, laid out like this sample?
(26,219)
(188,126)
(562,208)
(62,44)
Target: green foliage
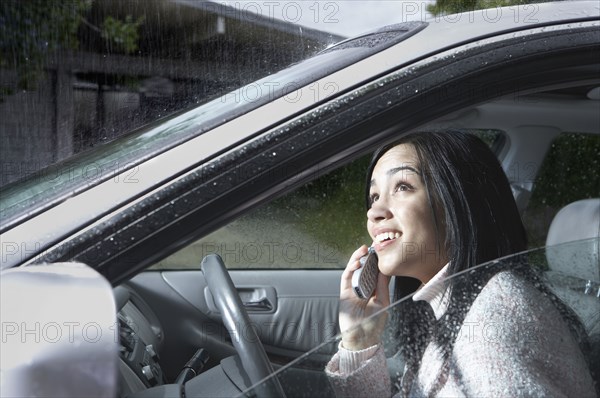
(332,208)
(489,137)
(342,213)
(123,34)
(444,7)
(29,29)
(570,171)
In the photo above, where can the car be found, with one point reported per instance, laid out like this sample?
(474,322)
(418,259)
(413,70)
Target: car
(111,283)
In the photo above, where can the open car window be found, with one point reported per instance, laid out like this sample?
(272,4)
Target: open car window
(573,280)
(317,226)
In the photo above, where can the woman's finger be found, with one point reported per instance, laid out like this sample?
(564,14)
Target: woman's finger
(382,291)
(353,263)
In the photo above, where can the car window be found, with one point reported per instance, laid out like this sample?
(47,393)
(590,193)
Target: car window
(493,138)
(305,377)
(111,125)
(81,73)
(568,173)
(318,226)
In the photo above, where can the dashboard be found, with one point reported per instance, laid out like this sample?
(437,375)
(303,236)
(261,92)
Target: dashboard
(140,341)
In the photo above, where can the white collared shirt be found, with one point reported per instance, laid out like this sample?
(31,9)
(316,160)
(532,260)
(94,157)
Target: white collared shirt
(434,292)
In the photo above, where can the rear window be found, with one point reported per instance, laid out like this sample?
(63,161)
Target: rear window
(568,173)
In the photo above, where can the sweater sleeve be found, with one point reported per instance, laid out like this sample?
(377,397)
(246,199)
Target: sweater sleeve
(359,373)
(515,343)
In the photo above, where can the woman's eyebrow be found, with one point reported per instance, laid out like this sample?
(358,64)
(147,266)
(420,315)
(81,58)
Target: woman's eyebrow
(395,170)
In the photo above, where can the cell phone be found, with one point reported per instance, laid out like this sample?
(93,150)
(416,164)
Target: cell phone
(364,279)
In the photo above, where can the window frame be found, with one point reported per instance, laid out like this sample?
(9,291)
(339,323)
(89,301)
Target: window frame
(203,199)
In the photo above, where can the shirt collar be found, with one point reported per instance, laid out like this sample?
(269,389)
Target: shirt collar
(433,292)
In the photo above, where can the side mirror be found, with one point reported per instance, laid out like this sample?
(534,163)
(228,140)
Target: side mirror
(59,332)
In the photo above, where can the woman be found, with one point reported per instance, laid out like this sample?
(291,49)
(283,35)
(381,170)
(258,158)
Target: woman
(438,204)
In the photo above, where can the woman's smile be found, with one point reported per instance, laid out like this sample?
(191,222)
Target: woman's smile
(385,238)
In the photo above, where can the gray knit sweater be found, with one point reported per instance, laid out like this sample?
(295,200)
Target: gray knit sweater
(513,343)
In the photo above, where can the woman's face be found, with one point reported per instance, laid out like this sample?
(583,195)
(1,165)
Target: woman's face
(400,221)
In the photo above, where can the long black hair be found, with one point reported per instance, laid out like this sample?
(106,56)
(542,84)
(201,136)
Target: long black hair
(474,211)
(469,195)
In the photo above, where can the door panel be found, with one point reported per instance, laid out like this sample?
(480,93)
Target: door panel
(304,312)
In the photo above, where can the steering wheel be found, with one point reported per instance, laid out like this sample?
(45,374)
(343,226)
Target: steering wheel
(245,340)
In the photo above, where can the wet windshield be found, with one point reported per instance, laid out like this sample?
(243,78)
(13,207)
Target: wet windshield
(85,72)
(565,285)
(137,93)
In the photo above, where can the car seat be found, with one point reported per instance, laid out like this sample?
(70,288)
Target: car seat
(578,221)
(574,267)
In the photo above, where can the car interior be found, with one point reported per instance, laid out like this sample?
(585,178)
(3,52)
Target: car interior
(169,322)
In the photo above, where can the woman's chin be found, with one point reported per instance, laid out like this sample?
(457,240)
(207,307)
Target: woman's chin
(397,268)
(388,267)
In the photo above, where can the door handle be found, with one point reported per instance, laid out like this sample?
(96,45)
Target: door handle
(263,304)
(257,299)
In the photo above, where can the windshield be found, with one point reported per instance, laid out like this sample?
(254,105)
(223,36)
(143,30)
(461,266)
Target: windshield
(566,275)
(165,88)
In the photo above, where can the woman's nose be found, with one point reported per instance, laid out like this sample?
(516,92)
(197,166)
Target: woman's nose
(379,211)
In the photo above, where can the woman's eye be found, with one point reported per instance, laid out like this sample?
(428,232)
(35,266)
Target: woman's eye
(402,186)
(373,198)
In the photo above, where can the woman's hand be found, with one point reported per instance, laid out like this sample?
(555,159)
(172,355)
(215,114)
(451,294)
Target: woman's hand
(358,334)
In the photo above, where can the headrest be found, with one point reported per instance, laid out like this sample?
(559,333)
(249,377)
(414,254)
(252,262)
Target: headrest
(577,221)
